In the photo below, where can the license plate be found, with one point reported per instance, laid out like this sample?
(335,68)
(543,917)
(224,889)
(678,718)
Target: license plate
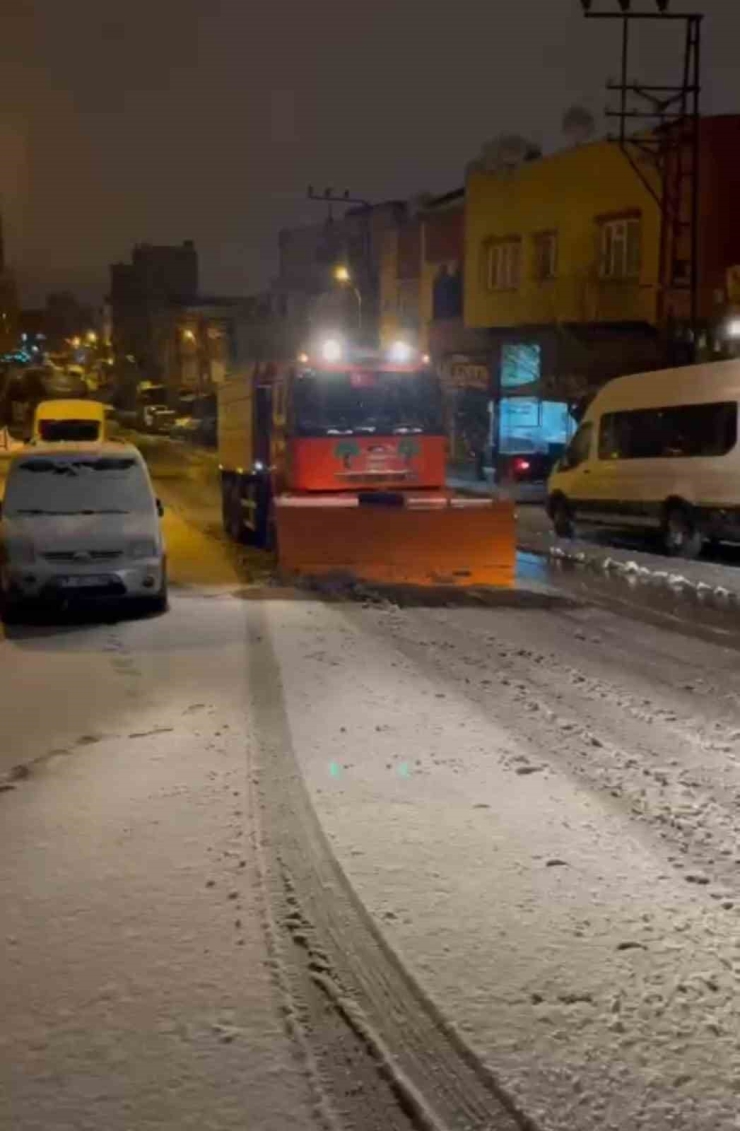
(85,581)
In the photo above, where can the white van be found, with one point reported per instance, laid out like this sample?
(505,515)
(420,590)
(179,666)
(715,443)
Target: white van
(657,450)
(80,520)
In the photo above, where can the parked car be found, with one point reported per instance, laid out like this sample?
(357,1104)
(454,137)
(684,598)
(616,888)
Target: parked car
(158,419)
(185,428)
(80,521)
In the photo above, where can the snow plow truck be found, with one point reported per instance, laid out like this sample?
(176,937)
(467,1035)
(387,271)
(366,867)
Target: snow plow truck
(337,460)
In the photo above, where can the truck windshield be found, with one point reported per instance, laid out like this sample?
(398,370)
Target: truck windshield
(366,402)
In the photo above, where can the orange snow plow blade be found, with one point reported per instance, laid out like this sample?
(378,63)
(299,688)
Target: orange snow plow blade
(438,541)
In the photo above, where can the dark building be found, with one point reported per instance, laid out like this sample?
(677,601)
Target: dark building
(145,297)
(8,303)
(309,256)
(65,319)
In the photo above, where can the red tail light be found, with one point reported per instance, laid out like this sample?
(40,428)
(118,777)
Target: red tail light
(521,465)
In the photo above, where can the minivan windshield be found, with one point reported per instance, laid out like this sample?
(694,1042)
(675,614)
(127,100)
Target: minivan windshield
(46,485)
(54,431)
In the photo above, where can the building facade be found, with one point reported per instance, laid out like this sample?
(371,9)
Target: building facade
(144,298)
(576,275)
(309,256)
(562,271)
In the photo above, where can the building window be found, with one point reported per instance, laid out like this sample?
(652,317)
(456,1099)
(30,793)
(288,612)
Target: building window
(503,265)
(545,256)
(620,249)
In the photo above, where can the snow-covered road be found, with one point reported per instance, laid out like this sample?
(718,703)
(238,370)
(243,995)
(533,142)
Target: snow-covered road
(541,810)
(538,804)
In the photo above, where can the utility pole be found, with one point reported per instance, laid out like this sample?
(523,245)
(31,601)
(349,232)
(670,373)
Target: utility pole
(659,126)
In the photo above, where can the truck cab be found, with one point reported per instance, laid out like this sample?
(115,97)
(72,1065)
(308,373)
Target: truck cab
(336,421)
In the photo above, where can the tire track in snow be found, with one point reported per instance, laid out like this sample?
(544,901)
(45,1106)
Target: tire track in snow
(416,1072)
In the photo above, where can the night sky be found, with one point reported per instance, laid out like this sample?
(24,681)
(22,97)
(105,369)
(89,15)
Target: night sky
(161,120)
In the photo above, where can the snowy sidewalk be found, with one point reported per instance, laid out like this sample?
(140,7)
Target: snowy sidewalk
(706,579)
(137,991)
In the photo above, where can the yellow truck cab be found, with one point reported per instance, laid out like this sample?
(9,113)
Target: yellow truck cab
(69,420)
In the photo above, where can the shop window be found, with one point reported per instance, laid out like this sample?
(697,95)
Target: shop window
(530,425)
(521,364)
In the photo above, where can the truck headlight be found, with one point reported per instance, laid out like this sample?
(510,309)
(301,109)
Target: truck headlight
(145,548)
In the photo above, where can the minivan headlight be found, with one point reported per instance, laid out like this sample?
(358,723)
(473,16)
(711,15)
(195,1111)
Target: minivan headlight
(143,548)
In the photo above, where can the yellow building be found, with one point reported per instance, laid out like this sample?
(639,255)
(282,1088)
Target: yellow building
(570,239)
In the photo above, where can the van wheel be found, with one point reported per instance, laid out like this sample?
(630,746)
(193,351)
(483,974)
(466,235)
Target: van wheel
(562,519)
(681,539)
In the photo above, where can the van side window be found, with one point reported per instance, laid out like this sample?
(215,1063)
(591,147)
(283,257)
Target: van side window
(678,431)
(578,449)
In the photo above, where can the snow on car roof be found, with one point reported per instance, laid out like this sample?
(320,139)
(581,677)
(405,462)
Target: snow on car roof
(68,450)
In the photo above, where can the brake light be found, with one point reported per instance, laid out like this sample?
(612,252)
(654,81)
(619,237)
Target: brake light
(521,465)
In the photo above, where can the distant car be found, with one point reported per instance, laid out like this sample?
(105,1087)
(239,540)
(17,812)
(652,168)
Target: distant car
(526,467)
(184,428)
(158,418)
(195,430)
(80,521)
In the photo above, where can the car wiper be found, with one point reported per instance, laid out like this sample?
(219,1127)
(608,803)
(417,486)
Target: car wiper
(34,510)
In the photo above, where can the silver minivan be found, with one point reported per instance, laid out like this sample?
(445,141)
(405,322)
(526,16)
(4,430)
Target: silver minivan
(80,521)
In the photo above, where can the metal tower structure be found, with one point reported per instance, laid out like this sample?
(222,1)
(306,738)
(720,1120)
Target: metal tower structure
(659,134)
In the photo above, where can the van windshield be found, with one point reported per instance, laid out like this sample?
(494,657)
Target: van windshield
(78,485)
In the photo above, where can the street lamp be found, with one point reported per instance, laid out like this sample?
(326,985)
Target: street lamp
(342,275)
(92,337)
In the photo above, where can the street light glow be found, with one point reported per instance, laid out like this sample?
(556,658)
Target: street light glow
(733,328)
(188,335)
(331,350)
(400,351)
(342,275)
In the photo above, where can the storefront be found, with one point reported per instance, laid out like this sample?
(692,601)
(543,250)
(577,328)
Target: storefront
(466,383)
(529,422)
